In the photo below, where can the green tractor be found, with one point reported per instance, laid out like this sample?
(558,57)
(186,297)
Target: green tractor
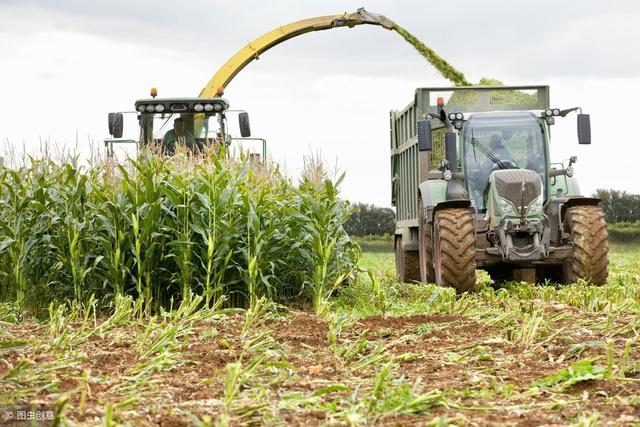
(473,187)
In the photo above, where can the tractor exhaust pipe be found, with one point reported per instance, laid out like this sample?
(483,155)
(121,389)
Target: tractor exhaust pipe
(450,152)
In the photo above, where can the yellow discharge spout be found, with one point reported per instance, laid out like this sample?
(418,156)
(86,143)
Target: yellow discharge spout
(251,51)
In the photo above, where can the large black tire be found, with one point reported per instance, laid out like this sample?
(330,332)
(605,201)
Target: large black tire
(427,274)
(407,263)
(454,249)
(589,238)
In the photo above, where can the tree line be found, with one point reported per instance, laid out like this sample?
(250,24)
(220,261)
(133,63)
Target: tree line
(619,206)
(369,220)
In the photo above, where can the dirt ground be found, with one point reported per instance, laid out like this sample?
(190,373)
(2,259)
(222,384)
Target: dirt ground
(302,376)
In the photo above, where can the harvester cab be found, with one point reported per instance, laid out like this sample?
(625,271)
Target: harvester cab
(195,123)
(486,194)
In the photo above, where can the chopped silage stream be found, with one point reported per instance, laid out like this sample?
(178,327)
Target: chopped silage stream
(444,68)
(391,355)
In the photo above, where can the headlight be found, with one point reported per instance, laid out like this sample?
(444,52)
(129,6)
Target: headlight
(548,112)
(159,108)
(507,207)
(208,107)
(459,116)
(150,108)
(141,108)
(535,207)
(217,107)
(452,116)
(198,107)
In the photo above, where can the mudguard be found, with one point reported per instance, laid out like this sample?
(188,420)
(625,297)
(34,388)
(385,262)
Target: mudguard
(434,197)
(433,191)
(555,210)
(579,201)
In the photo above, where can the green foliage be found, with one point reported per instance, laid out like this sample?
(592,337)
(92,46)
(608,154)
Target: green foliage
(486,81)
(619,206)
(370,220)
(447,70)
(584,370)
(159,228)
(326,246)
(624,232)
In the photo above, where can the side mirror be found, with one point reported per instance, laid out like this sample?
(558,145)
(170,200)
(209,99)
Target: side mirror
(584,129)
(245,127)
(424,135)
(115,125)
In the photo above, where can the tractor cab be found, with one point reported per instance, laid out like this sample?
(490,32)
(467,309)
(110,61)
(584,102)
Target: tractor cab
(196,124)
(501,141)
(504,171)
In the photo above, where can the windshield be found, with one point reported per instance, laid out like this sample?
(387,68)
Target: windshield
(500,141)
(168,129)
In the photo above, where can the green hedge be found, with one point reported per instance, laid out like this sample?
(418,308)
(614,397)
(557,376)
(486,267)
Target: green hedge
(624,232)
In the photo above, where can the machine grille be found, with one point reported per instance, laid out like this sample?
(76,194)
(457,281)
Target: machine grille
(509,184)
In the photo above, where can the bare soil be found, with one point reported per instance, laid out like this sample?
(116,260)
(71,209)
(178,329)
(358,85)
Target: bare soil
(487,377)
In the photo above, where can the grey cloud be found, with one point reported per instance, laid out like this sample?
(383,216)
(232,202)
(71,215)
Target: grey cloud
(492,38)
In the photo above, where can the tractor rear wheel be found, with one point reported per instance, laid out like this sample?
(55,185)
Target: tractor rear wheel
(589,238)
(454,249)
(427,274)
(407,263)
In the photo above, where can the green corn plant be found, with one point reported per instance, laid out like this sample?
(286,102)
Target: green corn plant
(162,230)
(379,292)
(337,323)
(146,223)
(255,313)
(236,374)
(16,222)
(213,201)
(380,385)
(178,198)
(329,249)
(112,232)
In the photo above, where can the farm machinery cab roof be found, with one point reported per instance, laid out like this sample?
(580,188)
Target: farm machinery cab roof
(207,106)
(167,122)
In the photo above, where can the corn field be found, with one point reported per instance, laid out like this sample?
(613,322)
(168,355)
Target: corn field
(158,229)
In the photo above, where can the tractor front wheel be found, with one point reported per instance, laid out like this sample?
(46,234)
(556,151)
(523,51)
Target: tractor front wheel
(589,238)
(454,249)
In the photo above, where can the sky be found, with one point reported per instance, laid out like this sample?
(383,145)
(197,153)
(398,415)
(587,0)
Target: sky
(66,64)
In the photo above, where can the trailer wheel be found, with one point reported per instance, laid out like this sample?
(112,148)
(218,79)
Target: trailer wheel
(589,238)
(407,263)
(454,251)
(427,274)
